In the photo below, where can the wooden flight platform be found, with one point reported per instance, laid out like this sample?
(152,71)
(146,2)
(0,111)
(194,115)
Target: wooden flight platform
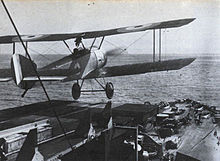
(16,122)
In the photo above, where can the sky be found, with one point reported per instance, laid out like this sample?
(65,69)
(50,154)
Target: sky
(202,36)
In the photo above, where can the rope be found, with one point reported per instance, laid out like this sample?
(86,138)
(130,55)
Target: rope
(41,83)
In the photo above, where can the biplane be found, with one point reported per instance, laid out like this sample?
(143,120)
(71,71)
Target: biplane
(84,62)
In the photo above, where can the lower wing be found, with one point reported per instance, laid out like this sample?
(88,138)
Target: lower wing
(132,69)
(122,70)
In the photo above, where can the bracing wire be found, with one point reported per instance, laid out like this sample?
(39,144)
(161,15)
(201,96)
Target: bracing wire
(50,48)
(41,83)
(125,49)
(114,45)
(42,54)
(35,51)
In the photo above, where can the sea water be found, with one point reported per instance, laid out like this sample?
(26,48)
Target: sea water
(198,81)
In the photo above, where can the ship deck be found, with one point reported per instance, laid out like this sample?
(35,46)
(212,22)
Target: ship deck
(69,113)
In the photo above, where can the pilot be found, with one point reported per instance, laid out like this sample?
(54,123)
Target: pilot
(75,51)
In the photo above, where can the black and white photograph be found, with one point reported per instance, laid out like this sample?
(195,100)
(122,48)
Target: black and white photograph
(109,80)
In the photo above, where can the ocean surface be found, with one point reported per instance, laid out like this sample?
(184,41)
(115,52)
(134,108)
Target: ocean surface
(199,81)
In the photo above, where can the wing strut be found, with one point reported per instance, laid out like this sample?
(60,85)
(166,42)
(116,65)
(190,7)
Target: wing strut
(101,42)
(92,44)
(153,45)
(67,46)
(26,43)
(13,48)
(159,43)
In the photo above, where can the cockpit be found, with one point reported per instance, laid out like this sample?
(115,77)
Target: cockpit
(80,51)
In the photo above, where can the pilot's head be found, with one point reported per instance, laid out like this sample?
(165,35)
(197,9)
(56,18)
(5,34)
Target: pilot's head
(75,51)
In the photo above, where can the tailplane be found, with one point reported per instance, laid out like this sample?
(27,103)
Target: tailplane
(22,67)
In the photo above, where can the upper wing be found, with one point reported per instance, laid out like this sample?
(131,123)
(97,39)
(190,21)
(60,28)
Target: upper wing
(94,34)
(132,69)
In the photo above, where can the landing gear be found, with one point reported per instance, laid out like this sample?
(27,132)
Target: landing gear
(108,89)
(76,91)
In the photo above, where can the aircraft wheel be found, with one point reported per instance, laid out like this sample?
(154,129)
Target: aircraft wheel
(109,90)
(76,91)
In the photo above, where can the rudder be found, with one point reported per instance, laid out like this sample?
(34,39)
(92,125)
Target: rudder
(22,67)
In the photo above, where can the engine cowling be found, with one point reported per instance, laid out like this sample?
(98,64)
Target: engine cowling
(97,59)
(101,58)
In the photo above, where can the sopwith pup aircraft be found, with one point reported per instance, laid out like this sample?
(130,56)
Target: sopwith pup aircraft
(84,62)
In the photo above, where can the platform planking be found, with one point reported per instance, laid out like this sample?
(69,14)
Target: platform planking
(200,142)
(69,113)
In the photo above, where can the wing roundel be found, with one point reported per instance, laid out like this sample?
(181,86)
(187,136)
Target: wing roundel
(94,34)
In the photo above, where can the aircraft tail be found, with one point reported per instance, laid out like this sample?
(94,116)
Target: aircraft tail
(21,67)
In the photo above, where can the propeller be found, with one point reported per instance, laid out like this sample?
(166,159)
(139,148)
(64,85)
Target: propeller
(115,52)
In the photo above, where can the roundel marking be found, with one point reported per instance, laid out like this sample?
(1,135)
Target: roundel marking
(29,37)
(137,28)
